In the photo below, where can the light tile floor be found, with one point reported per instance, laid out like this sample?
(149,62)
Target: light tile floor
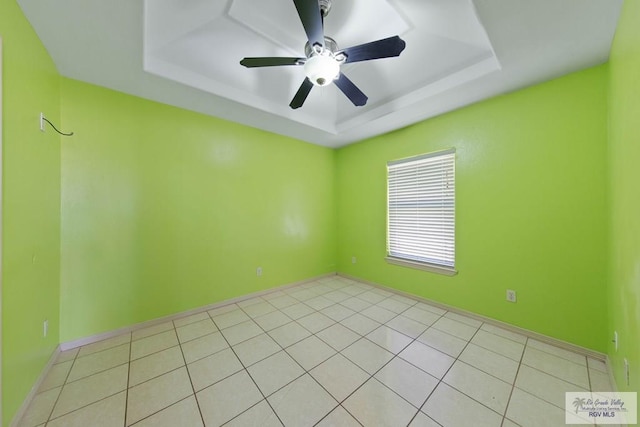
(329,353)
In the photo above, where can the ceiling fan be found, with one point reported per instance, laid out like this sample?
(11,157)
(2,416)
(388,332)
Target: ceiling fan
(324,58)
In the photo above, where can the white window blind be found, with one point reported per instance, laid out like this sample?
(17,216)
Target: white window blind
(421,209)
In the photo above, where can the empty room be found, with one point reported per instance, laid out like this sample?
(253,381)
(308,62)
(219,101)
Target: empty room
(319,213)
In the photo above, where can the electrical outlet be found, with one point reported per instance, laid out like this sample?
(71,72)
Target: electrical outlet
(615,340)
(45,328)
(353,260)
(511,295)
(626,371)
(259,271)
(41,122)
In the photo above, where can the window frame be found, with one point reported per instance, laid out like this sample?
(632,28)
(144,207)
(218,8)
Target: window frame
(423,264)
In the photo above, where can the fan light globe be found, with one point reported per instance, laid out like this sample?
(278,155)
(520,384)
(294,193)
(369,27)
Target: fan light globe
(321,69)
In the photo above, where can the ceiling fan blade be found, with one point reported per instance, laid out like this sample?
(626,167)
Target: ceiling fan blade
(351,90)
(311,17)
(384,48)
(301,94)
(271,61)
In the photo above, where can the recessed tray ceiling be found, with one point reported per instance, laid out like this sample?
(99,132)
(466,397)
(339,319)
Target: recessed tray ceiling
(186,53)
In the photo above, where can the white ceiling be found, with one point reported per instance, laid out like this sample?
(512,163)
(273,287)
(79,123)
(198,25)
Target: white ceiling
(186,53)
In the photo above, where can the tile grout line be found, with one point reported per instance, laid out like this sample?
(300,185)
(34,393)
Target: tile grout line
(81,407)
(160,410)
(461,392)
(306,372)
(97,372)
(379,369)
(284,349)
(557,377)
(64,383)
(186,367)
(72,382)
(231,347)
(513,387)
(441,380)
(126,397)
(158,376)
(482,370)
(553,376)
(395,355)
(589,377)
(264,398)
(560,357)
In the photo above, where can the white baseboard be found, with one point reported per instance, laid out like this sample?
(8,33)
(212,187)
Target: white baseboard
(612,378)
(34,390)
(105,335)
(526,332)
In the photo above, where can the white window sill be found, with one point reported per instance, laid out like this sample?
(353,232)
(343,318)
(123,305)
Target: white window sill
(433,268)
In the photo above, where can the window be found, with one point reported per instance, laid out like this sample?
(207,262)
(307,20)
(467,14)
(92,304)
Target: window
(421,212)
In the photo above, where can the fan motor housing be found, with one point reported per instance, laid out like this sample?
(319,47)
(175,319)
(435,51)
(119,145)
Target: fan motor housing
(329,45)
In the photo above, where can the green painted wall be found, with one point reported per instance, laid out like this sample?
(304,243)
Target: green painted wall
(531,209)
(165,210)
(624,137)
(31,208)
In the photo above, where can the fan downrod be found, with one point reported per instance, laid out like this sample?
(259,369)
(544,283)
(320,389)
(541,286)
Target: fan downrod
(325,7)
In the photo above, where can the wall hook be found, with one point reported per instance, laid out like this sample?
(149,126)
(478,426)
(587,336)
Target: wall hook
(44,119)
